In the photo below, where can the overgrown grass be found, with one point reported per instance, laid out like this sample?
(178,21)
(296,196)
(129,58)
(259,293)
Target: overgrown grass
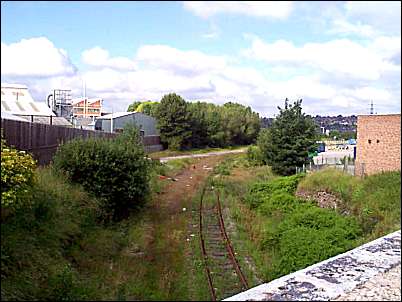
(375,200)
(59,249)
(332,181)
(283,233)
(35,242)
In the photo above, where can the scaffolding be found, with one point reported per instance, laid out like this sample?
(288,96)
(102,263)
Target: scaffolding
(60,101)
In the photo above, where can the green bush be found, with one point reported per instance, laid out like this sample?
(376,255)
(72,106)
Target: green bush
(310,234)
(319,219)
(115,170)
(303,246)
(279,203)
(260,191)
(17,176)
(255,156)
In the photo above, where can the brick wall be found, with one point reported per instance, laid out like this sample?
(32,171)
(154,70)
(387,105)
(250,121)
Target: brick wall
(378,144)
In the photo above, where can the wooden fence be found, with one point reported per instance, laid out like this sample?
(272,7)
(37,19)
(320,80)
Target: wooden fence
(42,140)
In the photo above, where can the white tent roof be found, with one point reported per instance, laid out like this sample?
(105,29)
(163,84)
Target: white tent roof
(25,108)
(16,99)
(8,116)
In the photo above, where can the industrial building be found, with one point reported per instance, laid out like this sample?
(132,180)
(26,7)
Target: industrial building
(17,101)
(87,107)
(115,122)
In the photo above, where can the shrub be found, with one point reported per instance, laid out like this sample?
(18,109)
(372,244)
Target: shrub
(259,191)
(309,235)
(115,170)
(319,219)
(280,202)
(303,246)
(255,156)
(17,176)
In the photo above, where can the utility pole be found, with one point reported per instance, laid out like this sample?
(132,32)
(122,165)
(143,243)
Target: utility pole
(111,122)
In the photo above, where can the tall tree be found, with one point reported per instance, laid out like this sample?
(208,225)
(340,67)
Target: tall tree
(148,108)
(174,121)
(291,137)
(199,124)
(133,106)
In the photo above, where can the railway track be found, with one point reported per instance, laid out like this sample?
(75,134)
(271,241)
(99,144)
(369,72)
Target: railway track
(224,274)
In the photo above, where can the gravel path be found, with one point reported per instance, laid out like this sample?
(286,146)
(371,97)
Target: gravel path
(382,287)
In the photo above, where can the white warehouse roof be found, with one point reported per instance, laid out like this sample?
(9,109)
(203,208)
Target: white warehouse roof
(16,99)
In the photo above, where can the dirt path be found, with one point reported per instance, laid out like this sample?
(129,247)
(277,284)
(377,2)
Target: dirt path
(166,272)
(201,155)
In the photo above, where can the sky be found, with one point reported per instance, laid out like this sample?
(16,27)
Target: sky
(337,56)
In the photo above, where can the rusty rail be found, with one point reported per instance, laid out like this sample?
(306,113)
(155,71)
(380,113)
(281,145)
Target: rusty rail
(204,253)
(228,245)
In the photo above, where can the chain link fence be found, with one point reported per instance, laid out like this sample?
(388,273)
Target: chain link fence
(345,163)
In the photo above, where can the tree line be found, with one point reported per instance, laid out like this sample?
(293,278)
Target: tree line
(185,125)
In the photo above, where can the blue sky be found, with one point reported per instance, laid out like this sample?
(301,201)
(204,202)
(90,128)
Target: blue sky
(336,56)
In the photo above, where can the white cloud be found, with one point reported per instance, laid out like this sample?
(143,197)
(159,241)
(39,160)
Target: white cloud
(385,16)
(366,18)
(344,57)
(327,85)
(35,57)
(371,93)
(270,9)
(341,26)
(189,62)
(98,57)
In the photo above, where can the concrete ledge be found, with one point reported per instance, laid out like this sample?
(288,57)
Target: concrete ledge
(336,276)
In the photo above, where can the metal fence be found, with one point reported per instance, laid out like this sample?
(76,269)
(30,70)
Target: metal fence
(346,165)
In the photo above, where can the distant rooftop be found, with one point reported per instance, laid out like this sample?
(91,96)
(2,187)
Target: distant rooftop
(115,115)
(89,100)
(19,86)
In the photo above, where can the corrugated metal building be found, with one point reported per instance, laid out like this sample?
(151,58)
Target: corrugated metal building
(146,123)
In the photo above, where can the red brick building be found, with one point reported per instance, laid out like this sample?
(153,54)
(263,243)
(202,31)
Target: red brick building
(85,107)
(378,144)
